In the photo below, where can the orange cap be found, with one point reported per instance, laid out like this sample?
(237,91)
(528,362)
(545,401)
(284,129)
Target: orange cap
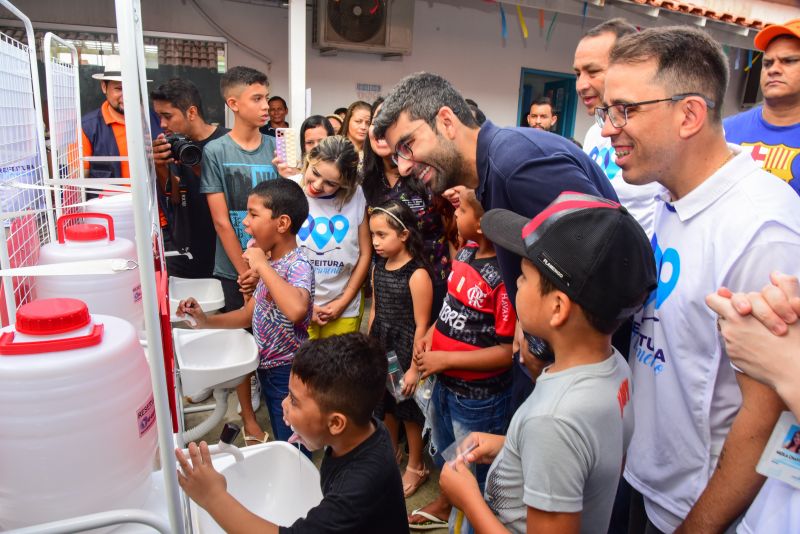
(765,36)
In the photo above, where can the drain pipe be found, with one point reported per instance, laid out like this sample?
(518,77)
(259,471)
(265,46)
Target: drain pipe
(220,409)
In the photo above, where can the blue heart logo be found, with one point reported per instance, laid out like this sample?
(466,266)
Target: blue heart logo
(305,230)
(665,287)
(321,232)
(339,226)
(605,158)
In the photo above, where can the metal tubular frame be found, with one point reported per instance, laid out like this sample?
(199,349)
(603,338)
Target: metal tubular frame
(56,141)
(140,159)
(143,190)
(5,260)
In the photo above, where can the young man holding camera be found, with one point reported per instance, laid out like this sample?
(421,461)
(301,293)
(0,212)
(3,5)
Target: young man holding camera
(180,110)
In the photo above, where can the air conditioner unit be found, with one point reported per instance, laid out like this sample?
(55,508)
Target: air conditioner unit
(371,26)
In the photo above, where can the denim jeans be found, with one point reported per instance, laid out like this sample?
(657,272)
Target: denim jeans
(454,417)
(275,388)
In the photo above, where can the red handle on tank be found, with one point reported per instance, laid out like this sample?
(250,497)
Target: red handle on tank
(62,221)
(9,348)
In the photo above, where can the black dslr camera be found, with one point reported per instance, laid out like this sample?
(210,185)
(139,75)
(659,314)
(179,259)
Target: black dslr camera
(184,150)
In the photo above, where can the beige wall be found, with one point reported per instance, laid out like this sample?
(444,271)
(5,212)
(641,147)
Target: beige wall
(461,43)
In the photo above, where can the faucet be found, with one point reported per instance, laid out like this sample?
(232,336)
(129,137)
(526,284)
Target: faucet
(225,445)
(181,252)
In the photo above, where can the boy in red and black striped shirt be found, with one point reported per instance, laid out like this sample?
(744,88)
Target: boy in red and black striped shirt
(469,349)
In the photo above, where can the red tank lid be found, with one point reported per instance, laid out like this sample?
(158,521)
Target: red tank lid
(52,316)
(86,232)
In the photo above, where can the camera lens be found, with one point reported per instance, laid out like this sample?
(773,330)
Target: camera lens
(190,154)
(183,150)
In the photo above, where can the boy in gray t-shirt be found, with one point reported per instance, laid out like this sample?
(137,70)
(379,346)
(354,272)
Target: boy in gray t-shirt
(232,165)
(587,266)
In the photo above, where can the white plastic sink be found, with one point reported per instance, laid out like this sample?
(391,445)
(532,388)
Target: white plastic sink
(274,481)
(206,291)
(213,358)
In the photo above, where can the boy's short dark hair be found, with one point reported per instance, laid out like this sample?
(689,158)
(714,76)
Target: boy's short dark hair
(180,93)
(344,373)
(239,76)
(604,325)
(474,203)
(284,197)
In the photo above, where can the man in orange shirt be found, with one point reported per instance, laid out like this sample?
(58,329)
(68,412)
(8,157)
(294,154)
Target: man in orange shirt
(104,128)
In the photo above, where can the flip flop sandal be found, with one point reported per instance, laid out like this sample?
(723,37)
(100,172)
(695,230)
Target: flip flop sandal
(410,488)
(432,522)
(255,439)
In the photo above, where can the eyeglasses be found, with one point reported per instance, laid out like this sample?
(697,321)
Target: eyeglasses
(403,149)
(618,113)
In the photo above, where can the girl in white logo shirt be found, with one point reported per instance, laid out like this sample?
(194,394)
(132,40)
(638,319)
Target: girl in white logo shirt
(335,237)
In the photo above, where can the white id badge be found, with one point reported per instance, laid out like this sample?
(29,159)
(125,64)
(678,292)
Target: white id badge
(287,144)
(781,457)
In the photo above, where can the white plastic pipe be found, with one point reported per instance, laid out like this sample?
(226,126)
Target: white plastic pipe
(220,409)
(92,521)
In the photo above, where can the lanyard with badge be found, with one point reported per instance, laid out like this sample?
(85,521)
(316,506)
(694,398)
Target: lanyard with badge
(781,457)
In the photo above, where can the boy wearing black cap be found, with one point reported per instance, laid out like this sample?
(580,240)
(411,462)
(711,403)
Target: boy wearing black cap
(587,266)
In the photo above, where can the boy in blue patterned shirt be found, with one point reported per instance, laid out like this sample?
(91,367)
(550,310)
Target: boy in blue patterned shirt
(280,310)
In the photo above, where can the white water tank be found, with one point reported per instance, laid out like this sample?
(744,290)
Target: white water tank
(120,207)
(118,294)
(76,412)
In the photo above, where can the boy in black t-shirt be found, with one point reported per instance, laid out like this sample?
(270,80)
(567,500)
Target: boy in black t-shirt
(180,110)
(330,403)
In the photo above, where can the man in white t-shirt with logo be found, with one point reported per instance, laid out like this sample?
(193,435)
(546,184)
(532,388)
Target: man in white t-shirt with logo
(700,425)
(590,64)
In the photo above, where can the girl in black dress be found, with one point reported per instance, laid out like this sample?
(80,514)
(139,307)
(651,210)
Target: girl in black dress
(399,318)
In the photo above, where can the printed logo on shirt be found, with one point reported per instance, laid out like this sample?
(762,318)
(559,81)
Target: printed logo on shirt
(415,204)
(460,284)
(643,346)
(491,274)
(505,307)
(451,317)
(476,296)
(323,266)
(240,179)
(623,396)
(237,216)
(322,229)
(465,254)
(605,158)
(776,159)
(668,266)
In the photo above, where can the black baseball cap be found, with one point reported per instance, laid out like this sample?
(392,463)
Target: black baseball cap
(589,247)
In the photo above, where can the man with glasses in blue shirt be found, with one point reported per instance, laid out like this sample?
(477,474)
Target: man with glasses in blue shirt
(700,425)
(435,137)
